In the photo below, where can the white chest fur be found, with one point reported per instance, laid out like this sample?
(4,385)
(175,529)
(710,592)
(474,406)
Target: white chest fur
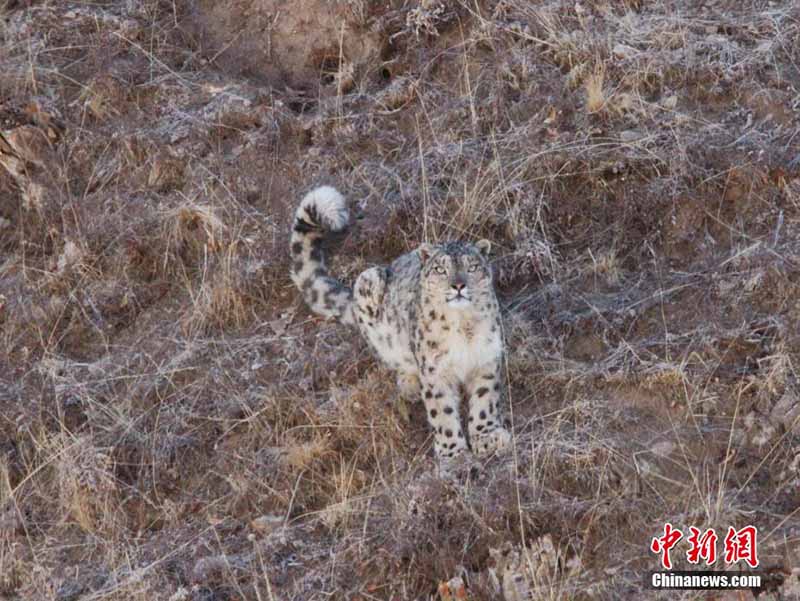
(472,342)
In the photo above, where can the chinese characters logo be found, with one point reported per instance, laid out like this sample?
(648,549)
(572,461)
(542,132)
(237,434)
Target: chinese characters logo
(739,545)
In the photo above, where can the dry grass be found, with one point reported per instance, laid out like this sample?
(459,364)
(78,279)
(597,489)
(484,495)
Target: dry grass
(595,94)
(173,424)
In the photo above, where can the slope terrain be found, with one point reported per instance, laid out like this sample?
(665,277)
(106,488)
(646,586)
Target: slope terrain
(175,424)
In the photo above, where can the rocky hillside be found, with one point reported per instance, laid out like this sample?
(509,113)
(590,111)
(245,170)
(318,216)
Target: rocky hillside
(175,424)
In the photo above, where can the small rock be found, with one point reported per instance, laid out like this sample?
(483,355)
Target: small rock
(71,256)
(209,570)
(630,135)
(663,448)
(182,594)
(266,524)
(670,102)
(786,412)
(453,590)
(624,51)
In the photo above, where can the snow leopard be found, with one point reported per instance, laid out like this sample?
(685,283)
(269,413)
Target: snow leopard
(432,316)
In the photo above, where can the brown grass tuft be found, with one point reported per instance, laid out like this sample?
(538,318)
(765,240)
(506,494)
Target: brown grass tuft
(594,87)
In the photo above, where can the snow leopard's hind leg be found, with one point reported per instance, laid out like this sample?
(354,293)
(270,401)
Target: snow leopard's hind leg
(369,291)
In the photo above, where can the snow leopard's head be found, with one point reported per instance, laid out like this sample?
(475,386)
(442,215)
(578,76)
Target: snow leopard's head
(456,273)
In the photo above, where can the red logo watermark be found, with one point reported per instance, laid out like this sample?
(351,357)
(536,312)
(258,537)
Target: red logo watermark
(665,543)
(702,547)
(740,545)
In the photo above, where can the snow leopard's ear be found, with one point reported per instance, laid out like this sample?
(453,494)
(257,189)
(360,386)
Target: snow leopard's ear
(425,252)
(484,247)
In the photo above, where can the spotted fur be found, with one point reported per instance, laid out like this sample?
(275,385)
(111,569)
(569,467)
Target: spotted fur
(321,212)
(432,316)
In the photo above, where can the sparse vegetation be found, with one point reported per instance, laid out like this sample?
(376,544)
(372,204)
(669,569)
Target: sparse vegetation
(174,424)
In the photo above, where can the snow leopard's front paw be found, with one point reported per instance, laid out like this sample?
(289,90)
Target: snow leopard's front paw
(456,467)
(493,441)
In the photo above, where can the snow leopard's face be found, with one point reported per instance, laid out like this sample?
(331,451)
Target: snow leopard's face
(457,274)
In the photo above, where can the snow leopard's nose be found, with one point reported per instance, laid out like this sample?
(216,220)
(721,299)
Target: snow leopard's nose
(459,283)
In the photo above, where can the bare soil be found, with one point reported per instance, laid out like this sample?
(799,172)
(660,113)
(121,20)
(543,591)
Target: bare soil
(175,424)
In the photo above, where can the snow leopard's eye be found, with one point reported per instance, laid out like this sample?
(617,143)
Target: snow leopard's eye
(473,268)
(439,269)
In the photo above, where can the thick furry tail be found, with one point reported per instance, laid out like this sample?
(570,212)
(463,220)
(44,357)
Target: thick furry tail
(322,211)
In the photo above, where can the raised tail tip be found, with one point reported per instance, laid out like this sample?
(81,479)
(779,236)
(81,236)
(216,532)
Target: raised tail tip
(326,207)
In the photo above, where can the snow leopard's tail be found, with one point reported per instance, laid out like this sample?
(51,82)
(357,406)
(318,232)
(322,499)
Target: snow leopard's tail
(322,211)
